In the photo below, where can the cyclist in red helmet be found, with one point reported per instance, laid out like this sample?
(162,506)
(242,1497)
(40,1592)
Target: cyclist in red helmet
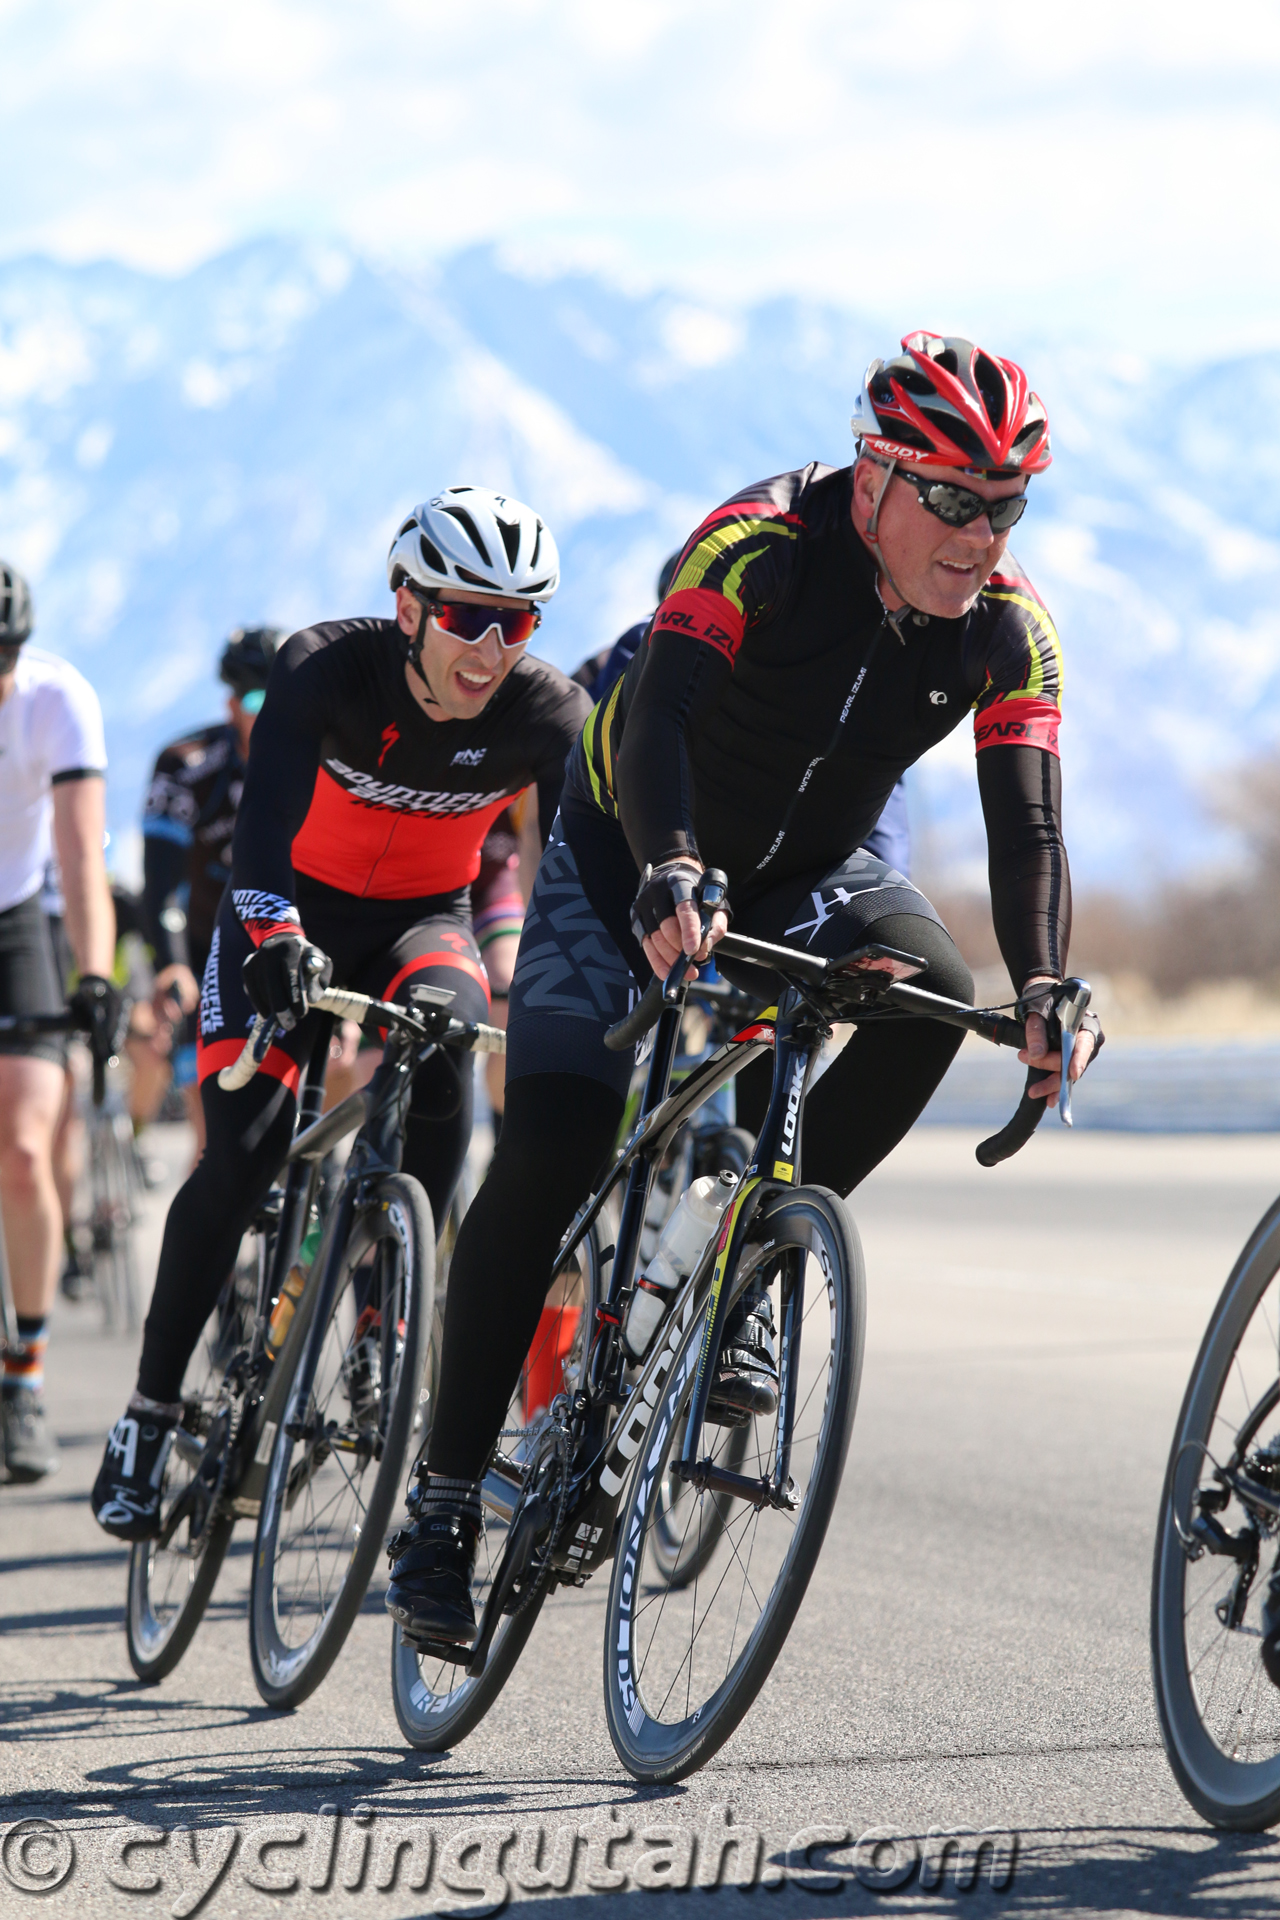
(823,630)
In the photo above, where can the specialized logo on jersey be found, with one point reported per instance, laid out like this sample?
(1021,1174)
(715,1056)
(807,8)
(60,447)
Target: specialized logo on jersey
(389,737)
(468,756)
(368,792)
(210,992)
(937,698)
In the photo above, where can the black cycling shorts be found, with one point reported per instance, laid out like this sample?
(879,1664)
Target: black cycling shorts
(580,965)
(379,947)
(29,979)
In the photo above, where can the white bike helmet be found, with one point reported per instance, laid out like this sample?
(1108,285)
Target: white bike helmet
(481,542)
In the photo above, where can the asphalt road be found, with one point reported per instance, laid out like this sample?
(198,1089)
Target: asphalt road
(973,1648)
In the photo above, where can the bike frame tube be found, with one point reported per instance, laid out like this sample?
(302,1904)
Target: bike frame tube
(776,1165)
(378,1150)
(300,1179)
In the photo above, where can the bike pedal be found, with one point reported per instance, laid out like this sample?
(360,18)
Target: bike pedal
(436,1649)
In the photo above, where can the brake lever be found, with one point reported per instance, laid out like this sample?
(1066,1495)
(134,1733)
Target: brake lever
(1070,1009)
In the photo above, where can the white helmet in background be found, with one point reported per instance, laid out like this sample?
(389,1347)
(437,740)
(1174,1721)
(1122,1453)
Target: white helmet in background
(472,540)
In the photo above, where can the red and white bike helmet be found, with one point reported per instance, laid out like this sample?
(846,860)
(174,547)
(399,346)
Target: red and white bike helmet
(944,402)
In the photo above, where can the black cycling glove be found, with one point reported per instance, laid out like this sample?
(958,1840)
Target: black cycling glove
(98,1004)
(280,975)
(1042,998)
(661,892)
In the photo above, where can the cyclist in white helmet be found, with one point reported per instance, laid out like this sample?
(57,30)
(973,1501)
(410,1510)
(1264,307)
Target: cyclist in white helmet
(384,750)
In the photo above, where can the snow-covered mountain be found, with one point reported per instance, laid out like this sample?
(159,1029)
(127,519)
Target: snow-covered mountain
(178,457)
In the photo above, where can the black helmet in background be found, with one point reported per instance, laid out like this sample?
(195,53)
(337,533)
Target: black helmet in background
(246,659)
(16,616)
(667,574)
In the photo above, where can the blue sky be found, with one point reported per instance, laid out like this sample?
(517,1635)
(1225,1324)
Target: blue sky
(1103,171)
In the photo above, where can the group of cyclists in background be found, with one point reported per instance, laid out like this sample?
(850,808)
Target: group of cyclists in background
(420,800)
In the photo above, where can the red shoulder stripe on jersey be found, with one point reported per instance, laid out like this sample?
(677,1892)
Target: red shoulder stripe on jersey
(212,1055)
(700,613)
(1018,723)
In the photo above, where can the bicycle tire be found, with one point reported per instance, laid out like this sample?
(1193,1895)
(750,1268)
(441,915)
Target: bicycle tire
(160,1617)
(657,1751)
(115,1271)
(1201,1702)
(438,1704)
(398,1217)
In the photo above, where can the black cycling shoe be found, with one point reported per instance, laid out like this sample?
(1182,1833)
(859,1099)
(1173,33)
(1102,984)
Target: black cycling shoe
(746,1381)
(431,1566)
(126,1493)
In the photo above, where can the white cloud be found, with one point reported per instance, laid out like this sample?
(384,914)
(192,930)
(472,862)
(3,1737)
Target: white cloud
(986,164)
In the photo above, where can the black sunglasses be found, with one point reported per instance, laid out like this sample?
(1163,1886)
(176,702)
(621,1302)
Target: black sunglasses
(958,506)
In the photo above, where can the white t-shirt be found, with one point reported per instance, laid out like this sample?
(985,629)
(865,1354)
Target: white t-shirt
(50,729)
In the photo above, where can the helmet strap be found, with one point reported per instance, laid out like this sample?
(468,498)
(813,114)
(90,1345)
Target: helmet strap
(894,619)
(415,652)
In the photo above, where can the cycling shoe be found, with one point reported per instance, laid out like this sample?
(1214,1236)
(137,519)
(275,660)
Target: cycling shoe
(431,1566)
(746,1381)
(127,1492)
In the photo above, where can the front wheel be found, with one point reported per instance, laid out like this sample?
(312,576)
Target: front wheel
(337,1459)
(684,1660)
(1216,1548)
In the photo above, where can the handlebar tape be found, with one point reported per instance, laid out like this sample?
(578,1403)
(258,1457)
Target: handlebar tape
(1010,1139)
(634,1025)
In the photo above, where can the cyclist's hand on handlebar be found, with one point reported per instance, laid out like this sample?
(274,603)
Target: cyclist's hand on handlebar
(282,976)
(175,992)
(665,916)
(1036,1006)
(97,1004)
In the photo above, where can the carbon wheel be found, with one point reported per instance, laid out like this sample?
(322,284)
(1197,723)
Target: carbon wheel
(337,1457)
(171,1579)
(684,1662)
(1216,1548)
(114,1193)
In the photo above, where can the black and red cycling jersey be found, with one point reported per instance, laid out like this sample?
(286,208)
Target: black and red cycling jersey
(187,824)
(773,709)
(352,784)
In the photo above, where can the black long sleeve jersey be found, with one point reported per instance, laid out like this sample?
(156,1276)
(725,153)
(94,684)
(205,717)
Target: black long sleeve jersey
(773,708)
(187,824)
(351,783)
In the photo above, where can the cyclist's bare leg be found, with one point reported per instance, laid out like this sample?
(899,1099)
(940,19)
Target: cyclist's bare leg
(30,1101)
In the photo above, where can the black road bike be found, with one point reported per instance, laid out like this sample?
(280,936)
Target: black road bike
(306,1430)
(713,1530)
(1215,1593)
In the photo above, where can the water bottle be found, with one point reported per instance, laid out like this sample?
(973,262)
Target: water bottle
(683,1238)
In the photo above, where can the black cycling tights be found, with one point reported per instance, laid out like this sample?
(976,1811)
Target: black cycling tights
(248,1135)
(556,1135)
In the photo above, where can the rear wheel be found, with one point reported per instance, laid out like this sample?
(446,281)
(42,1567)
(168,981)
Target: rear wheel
(337,1459)
(172,1578)
(114,1188)
(436,1701)
(685,1658)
